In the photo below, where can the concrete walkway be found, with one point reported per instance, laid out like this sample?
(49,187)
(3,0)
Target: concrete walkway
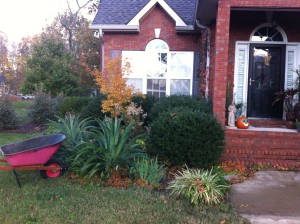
(270,197)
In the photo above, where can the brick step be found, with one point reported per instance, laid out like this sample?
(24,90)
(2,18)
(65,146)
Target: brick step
(267,123)
(258,145)
(277,164)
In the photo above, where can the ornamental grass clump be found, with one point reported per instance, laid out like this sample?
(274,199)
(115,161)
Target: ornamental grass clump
(199,186)
(76,131)
(110,150)
(148,170)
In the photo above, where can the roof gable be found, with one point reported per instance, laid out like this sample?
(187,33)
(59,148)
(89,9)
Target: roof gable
(165,6)
(126,14)
(118,11)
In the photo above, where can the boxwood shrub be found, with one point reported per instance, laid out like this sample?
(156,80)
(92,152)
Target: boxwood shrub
(146,102)
(184,136)
(8,117)
(190,102)
(73,104)
(94,108)
(44,107)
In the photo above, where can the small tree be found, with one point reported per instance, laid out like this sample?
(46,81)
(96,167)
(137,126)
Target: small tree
(112,82)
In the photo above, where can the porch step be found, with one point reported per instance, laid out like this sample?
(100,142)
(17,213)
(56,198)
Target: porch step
(262,145)
(267,163)
(267,123)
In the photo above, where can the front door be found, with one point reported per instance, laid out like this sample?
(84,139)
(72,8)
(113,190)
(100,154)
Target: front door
(266,77)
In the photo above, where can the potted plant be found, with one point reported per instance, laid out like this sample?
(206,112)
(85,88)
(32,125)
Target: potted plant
(288,98)
(298,125)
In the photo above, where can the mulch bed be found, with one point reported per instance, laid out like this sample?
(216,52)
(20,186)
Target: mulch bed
(27,128)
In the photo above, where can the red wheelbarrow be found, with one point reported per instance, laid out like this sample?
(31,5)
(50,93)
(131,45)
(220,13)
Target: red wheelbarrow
(34,154)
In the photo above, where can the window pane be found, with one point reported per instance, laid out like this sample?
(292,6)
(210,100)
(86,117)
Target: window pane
(156,87)
(137,83)
(137,62)
(267,34)
(182,64)
(180,86)
(156,64)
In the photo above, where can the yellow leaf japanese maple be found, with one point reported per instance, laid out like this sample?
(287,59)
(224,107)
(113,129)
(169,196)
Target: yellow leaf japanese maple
(112,82)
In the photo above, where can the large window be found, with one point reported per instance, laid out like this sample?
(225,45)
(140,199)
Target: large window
(160,72)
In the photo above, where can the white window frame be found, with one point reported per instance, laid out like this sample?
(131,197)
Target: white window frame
(169,76)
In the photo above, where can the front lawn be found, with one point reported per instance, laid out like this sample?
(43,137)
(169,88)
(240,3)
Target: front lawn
(64,200)
(67,200)
(74,199)
(7,138)
(21,109)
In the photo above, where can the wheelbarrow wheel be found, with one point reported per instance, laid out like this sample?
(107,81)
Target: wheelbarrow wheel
(45,174)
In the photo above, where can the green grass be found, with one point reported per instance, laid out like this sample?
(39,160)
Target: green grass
(21,109)
(63,200)
(6,138)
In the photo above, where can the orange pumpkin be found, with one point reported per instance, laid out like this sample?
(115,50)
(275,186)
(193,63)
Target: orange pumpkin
(242,122)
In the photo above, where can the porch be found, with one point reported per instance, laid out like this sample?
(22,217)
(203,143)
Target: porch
(254,53)
(277,146)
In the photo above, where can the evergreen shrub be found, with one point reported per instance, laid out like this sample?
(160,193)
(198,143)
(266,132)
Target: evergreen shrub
(170,102)
(185,136)
(146,102)
(43,108)
(8,117)
(94,108)
(73,104)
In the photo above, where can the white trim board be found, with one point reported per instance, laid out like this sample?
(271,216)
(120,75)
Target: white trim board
(136,20)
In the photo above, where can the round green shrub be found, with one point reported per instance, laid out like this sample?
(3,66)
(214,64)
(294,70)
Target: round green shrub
(183,101)
(94,108)
(186,137)
(8,117)
(73,104)
(44,107)
(146,102)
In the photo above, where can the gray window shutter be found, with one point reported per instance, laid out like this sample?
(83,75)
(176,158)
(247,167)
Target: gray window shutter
(196,75)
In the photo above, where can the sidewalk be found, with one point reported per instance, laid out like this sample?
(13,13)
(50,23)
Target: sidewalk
(270,197)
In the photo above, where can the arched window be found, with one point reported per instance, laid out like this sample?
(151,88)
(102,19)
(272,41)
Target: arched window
(157,44)
(160,72)
(267,32)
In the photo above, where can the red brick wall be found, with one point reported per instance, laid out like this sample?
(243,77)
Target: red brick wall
(246,146)
(157,18)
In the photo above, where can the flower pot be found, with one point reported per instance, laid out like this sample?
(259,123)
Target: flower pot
(290,124)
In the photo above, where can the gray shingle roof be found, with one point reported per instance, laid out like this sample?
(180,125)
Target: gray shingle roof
(122,11)
(186,9)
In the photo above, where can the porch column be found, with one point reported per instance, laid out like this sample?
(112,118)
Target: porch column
(221,60)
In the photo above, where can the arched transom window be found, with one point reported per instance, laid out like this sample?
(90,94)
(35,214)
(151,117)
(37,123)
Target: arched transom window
(267,32)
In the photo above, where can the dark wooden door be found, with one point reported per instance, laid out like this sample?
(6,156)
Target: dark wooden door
(266,77)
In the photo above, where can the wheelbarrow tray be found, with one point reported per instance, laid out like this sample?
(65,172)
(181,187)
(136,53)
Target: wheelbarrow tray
(34,151)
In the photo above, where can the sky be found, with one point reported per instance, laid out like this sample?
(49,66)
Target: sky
(21,18)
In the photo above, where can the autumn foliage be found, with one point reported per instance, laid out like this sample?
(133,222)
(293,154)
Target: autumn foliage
(113,83)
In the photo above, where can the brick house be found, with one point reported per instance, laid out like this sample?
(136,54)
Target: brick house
(249,49)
